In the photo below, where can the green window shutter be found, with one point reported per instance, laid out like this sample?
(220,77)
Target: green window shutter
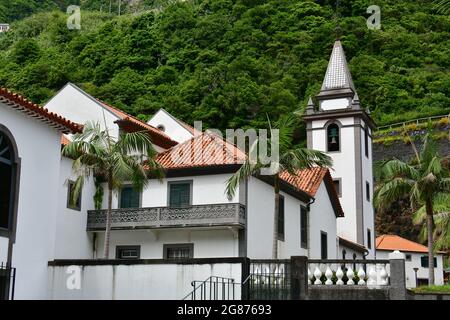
(129,198)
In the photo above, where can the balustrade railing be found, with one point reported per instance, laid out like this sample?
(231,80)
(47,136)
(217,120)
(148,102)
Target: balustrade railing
(369,273)
(229,214)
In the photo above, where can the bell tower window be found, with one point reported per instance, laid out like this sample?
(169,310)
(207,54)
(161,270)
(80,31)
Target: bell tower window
(333,138)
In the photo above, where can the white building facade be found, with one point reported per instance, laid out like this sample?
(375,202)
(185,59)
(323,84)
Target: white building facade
(30,158)
(416,259)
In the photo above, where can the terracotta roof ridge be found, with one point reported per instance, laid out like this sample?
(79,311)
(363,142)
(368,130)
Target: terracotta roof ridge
(126,116)
(57,119)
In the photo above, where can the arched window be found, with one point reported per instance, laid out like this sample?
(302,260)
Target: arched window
(7,180)
(333,138)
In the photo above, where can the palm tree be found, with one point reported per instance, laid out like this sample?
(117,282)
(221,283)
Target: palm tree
(424,181)
(291,159)
(97,154)
(441,217)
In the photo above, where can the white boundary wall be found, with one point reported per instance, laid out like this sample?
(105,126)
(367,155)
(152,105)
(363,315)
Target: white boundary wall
(162,281)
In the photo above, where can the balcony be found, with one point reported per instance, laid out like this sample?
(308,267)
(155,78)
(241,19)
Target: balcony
(230,214)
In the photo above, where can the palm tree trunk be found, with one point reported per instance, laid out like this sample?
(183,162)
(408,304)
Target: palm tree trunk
(108,223)
(275,217)
(429,207)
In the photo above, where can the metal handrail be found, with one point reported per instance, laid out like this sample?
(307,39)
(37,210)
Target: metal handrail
(229,281)
(417,121)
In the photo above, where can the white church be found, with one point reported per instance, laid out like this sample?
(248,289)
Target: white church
(325,214)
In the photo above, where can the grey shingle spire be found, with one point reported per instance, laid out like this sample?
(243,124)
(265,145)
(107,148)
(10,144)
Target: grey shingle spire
(338,75)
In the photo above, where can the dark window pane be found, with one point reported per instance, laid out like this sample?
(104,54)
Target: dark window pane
(424,262)
(304,227)
(337,186)
(324,245)
(179,251)
(369,239)
(366,141)
(128,252)
(5,194)
(333,137)
(367,191)
(129,198)
(180,194)
(70,204)
(281,220)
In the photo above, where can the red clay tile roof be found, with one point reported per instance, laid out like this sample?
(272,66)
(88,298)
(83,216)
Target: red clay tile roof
(208,149)
(202,150)
(53,120)
(158,135)
(391,242)
(306,180)
(309,180)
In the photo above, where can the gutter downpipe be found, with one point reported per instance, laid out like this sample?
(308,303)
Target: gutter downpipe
(308,207)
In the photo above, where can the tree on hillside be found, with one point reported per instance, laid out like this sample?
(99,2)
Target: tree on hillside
(424,181)
(96,153)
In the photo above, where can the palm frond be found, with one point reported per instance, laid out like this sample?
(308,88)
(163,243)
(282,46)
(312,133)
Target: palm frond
(243,173)
(428,151)
(136,142)
(397,169)
(302,158)
(442,6)
(391,191)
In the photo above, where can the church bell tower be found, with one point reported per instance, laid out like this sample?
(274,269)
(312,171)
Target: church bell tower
(337,125)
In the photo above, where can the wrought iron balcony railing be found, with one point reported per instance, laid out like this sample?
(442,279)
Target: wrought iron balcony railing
(230,214)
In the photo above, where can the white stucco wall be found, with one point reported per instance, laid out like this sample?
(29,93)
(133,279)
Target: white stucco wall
(368,209)
(73,242)
(322,218)
(422,273)
(206,189)
(208,242)
(349,252)
(333,104)
(3,250)
(172,127)
(80,108)
(344,169)
(150,281)
(39,150)
(260,223)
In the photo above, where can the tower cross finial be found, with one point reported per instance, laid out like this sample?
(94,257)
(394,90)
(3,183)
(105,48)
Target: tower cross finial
(338,21)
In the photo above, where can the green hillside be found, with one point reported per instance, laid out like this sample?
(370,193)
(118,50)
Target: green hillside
(231,62)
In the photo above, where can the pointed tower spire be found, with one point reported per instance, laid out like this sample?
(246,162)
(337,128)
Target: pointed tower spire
(310,106)
(338,74)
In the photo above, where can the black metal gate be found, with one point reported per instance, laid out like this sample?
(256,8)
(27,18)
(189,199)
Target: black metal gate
(269,280)
(7,282)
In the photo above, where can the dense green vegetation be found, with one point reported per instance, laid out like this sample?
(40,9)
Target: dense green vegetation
(231,62)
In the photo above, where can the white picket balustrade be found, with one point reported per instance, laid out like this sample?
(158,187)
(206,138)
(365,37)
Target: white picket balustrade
(347,272)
